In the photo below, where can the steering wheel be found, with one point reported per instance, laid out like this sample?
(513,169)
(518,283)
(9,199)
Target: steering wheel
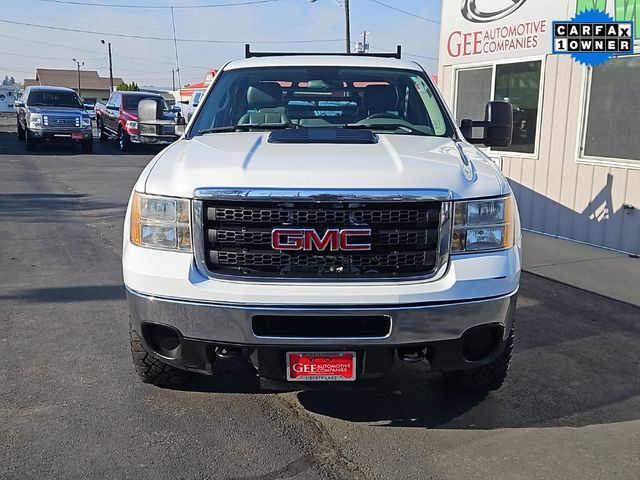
(394,116)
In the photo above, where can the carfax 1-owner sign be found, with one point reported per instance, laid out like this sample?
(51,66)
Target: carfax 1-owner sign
(486,30)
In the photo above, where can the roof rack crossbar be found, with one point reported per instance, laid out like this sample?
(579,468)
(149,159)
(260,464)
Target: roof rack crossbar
(252,54)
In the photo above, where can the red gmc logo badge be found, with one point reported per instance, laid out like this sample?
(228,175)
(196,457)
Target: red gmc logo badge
(333,240)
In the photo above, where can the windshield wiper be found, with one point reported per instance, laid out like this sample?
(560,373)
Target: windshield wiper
(248,126)
(386,126)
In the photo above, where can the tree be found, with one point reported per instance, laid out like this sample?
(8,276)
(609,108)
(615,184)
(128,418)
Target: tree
(128,87)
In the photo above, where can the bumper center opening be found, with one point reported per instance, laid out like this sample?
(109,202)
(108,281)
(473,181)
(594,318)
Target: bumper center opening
(300,326)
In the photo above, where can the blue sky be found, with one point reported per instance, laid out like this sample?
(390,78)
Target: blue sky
(23,48)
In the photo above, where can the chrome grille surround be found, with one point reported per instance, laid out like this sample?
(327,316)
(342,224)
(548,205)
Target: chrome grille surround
(381,237)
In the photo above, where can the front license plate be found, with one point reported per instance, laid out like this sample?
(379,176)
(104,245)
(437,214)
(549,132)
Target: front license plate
(76,135)
(321,366)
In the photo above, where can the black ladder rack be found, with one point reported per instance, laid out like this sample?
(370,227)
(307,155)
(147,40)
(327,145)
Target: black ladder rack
(251,54)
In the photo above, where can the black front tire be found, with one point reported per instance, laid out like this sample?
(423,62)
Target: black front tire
(150,369)
(87,146)
(30,142)
(124,142)
(21,133)
(483,379)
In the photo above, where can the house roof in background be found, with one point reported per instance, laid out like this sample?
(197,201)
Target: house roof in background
(89,79)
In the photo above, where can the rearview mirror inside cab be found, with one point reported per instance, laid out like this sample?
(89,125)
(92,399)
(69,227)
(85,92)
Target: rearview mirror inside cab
(497,125)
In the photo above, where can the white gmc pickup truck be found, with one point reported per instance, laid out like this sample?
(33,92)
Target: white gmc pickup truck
(323,216)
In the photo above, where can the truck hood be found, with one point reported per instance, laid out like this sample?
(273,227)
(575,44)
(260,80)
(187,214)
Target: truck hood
(58,111)
(248,160)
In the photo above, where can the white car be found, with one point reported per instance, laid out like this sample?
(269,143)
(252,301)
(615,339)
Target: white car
(324,216)
(189,109)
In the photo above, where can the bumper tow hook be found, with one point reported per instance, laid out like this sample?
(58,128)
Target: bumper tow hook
(226,353)
(412,355)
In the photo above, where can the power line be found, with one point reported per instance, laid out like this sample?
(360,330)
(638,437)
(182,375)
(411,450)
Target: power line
(211,5)
(32,56)
(76,49)
(11,70)
(405,12)
(404,53)
(168,39)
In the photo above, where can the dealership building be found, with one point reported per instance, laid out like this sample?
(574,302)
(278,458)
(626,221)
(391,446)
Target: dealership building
(574,163)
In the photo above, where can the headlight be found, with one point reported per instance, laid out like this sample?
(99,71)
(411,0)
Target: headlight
(35,120)
(86,122)
(482,225)
(131,125)
(160,222)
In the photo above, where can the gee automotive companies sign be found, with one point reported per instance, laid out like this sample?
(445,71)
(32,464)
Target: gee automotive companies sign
(487,30)
(478,30)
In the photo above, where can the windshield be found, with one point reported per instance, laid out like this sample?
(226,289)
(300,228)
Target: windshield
(44,98)
(389,100)
(131,101)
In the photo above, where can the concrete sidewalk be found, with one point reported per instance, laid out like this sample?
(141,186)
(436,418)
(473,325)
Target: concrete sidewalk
(611,274)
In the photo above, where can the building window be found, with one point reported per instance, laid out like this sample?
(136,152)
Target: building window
(474,91)
(518,83)
(613,107)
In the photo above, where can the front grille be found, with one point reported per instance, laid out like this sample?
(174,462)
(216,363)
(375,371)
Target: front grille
(405,236)
(61,121)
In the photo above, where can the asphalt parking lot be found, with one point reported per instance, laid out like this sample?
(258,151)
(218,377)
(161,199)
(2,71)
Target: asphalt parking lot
(71,406)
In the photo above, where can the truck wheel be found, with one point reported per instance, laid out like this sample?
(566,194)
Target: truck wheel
(103,134)
(21,134)
(30,143)
(123,140)
(486,378)
(87,146)
(150,369)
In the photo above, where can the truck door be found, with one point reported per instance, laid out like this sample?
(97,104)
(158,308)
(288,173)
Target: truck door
(113,112)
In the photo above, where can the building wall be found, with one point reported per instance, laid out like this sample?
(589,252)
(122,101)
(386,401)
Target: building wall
(92,95)
(557,193)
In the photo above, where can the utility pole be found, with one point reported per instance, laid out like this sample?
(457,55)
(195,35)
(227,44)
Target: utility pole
(175,46)
(173,80)
(347,21)
(110,64)
(78,65)
(365,45)
(347,25)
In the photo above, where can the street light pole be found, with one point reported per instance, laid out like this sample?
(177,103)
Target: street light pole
(78,65)
(110,64)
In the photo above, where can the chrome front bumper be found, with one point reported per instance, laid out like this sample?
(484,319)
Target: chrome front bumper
(410,324)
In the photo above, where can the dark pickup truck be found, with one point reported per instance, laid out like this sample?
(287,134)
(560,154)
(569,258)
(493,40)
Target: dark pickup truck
(45,114)
(118,118)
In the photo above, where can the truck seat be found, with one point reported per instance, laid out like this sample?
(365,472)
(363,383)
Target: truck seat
(267,100)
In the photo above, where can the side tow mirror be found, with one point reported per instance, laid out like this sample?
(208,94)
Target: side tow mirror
(181,125)
(497,125)
(18,104)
